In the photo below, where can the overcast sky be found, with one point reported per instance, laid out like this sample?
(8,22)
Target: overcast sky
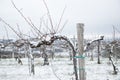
(97,15)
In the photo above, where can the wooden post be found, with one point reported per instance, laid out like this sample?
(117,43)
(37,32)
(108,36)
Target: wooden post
(0,53)
(81,61)
(113,33)
(13,52)
(98,52)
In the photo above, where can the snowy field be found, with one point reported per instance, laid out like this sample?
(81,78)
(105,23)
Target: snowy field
(59,69)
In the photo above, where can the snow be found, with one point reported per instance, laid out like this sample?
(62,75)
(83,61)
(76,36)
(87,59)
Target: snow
(59,69)
(101,71)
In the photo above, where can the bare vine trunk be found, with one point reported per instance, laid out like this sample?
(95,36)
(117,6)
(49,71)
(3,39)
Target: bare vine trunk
(45,56)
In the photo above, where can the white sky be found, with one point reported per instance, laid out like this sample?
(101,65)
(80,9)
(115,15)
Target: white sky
(97,15)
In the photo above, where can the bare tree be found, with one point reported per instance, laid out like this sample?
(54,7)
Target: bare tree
(98,47)
(42,37)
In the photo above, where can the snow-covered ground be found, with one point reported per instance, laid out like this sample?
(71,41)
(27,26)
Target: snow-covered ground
(59,69)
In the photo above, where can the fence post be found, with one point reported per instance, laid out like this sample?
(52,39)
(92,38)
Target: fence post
(81,60)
